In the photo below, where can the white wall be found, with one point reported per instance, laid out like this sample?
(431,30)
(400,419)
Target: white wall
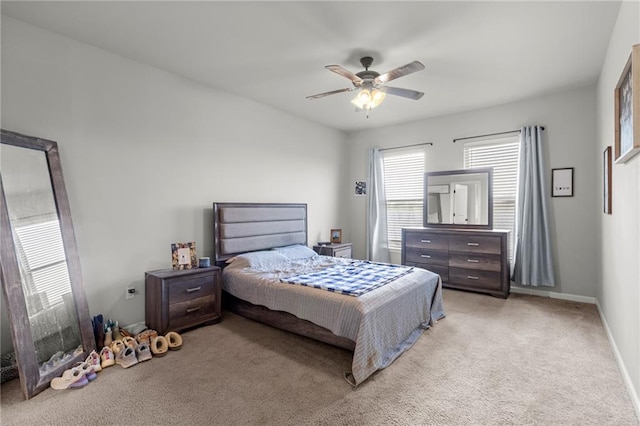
(145,153)
(570,141)
(618,289)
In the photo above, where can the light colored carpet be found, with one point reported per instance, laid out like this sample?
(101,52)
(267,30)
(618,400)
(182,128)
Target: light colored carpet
(524,360)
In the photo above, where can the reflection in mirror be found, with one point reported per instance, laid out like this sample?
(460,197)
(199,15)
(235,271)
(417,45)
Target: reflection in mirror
(39,264)
(459,199)
(41,257)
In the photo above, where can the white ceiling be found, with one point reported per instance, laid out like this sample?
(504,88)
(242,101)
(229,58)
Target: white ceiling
(476,54)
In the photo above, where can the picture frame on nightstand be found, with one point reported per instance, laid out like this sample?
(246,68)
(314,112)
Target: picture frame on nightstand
(336,236)
(183,256)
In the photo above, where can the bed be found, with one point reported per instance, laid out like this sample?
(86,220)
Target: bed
(262,248)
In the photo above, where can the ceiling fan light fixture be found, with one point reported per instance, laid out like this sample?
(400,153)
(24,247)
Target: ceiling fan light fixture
(368,99)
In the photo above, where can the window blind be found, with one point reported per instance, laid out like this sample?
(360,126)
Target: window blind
(502,154)
(404,192)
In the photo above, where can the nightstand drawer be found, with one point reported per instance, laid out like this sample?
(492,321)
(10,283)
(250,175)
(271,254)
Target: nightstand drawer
(186,312)
(342,252)
(187,289)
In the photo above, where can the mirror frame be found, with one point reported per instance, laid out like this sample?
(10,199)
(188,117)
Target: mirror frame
(425,213)
(24,346)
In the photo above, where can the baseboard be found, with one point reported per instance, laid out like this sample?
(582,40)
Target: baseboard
(554,295)
(633,394)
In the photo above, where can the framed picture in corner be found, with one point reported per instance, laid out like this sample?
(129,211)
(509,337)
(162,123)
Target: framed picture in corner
(606,180)
(626,101)
(336,236)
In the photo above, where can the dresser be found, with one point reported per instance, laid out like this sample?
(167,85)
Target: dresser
(475,260)
(335,250)
(176,300)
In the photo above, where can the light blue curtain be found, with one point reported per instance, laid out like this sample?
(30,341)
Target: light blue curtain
(532,259)
(377,241)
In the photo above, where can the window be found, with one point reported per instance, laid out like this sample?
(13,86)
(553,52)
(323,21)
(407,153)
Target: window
(403,184)
(503,155)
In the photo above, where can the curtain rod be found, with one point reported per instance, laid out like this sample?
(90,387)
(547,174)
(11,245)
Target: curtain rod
(406,146)
(490,134)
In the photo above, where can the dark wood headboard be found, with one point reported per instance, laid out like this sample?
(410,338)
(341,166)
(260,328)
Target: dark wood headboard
(244,227)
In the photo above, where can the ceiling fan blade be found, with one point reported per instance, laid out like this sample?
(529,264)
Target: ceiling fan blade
(405,93)
(400,72)
(333,92)
(345,73)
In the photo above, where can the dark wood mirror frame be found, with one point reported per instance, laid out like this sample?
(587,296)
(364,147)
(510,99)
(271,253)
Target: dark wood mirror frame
(488,171)
(31,380)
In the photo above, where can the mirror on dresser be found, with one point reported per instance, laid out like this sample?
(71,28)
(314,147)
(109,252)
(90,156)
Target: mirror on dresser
(39,264)
(459,199)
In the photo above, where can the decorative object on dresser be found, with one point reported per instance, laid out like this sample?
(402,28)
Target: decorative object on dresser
(626,103)
(474,260)
(336,236)
(177,300)
(335,250)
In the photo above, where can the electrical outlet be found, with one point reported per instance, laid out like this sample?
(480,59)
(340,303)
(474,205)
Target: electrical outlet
(130,293)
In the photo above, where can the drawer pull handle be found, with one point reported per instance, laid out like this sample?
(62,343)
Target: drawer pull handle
(473,244)
(426,256)
(473,260)
(472,278)
(425,241)
(191,290)
(190,310)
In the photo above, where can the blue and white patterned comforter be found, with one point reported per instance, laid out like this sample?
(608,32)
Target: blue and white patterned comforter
(354,278)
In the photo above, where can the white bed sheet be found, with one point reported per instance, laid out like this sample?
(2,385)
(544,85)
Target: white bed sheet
(383,323)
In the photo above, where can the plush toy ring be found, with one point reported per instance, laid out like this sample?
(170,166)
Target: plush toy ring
(174,340)
(159,346)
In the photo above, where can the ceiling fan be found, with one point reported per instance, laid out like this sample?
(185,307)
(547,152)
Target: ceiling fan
(372,84)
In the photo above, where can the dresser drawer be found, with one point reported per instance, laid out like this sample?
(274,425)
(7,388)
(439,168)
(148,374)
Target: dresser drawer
(475,244)
(431,257)
(475,261)
(443,271)
(191,288)
(427,240)
(475,278)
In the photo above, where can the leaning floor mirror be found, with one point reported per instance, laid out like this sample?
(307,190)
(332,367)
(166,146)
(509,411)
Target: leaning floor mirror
(40,269)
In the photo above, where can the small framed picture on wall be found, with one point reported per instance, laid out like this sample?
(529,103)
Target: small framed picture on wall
(562,182)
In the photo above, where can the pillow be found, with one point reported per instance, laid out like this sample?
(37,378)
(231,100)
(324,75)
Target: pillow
(258,259)
(296,252)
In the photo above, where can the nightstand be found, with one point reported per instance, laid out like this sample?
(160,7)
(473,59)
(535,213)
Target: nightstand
(177,300)
(335,250)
